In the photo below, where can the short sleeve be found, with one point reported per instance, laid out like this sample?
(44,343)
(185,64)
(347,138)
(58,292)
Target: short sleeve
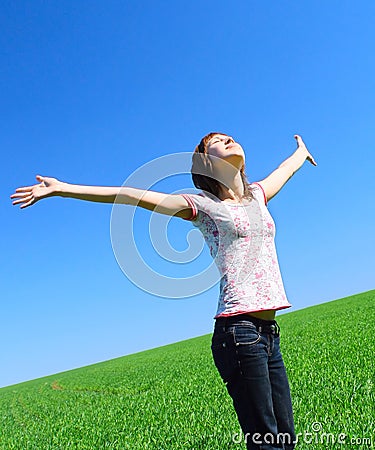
(261,190)
(201,206)
(194,209)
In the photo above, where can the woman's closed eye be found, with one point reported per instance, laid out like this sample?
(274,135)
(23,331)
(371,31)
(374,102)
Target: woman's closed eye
(226,140)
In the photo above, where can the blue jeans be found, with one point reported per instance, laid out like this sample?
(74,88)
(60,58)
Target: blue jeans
(246,352)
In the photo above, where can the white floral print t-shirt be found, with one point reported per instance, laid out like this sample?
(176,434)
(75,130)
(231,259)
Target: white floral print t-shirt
(241,239)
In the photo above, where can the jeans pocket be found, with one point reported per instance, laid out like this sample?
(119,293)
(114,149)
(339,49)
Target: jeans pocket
(246,334)
(224,355)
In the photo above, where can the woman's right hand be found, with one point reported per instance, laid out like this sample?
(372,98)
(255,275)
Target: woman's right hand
(29,195)
(302,146)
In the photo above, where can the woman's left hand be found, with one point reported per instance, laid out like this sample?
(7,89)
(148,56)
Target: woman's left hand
(29,195)
(302,146)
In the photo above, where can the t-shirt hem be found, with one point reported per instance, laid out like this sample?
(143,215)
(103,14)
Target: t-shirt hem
(277,308)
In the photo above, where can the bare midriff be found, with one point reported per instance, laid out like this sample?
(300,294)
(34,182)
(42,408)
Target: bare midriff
(268,314)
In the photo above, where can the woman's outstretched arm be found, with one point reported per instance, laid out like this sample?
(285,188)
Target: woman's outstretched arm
(170,204)
(278,178)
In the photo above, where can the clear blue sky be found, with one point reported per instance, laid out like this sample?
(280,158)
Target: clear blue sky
(91,91)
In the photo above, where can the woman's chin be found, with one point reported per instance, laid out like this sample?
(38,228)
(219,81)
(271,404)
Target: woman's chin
(237,161)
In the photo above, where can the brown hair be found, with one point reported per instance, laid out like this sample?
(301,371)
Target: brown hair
(202,170)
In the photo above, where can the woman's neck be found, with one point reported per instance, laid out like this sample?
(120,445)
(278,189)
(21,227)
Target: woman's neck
(231,188)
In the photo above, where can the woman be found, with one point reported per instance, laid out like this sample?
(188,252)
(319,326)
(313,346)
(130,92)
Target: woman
(234,220)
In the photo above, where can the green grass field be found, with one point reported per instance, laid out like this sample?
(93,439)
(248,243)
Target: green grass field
(172,397)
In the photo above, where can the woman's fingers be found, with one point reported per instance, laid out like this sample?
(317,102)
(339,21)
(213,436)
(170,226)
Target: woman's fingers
(28,203)
(18,201)
(27,188)
(301,144)
(28,195)
(21,198)
(312,160)
(20,194)
(24,199)
(23,195)
(24,189)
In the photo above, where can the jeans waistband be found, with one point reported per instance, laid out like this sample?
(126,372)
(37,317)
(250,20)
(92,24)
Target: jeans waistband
(262,326)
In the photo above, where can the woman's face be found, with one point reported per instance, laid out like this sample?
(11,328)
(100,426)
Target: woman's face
(226,148)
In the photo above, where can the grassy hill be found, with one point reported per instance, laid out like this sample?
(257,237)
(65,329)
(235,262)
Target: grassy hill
(172,397)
